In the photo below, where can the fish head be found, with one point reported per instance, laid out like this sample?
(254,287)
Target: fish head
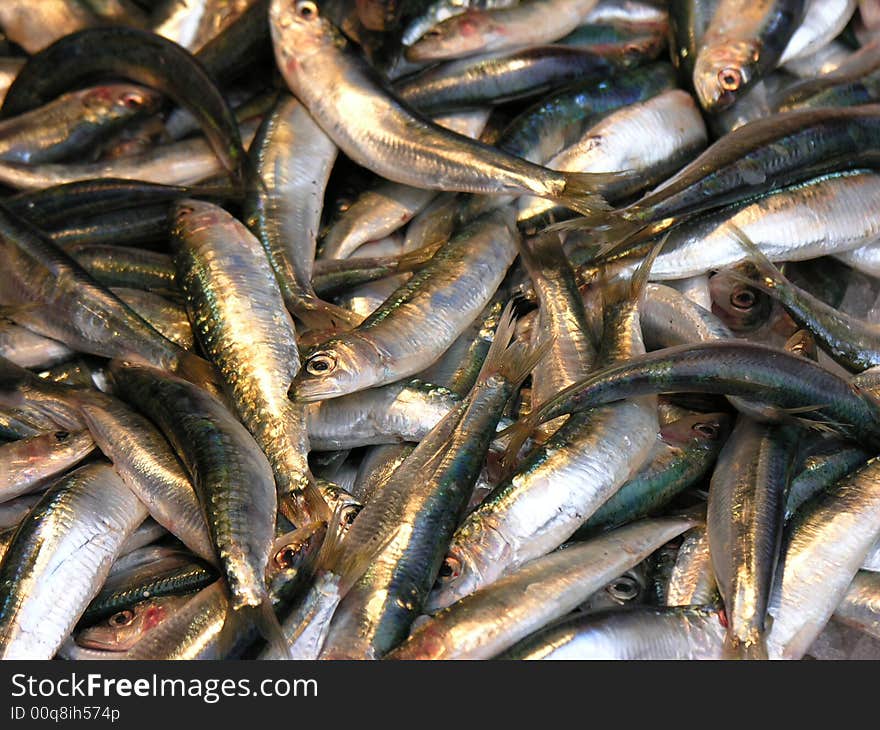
(741,307)
(337,367)
(722,73)
(472,561)
(704,428)
(117,101)
(125,628)
(460,35)
(300,29)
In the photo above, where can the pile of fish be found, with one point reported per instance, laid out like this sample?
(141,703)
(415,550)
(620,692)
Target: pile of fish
(439,329)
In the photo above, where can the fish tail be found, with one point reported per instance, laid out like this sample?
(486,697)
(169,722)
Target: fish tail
(803,344)
(630,238)
(629,289)
(639,281)
(318,315)
(304,505)
(771,278)
(753,650)
(515,437)
(513,362)
(582,192)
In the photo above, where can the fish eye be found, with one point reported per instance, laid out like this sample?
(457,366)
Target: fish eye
(450,570)
(730,79)
(623,589)
(123,618)
(285,558)
(61,435)
(742,298)
(132,99)
(709,430)
(306,9)
(321,363)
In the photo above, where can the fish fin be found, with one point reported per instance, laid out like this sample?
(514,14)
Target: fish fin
(411,260)
(639,281)
(744,650)
(803,344)
(516,436)
(316,314)
(771,277)
(512,361)
(304,504)
(581,192)
(608,230)
(631,289)
(632,242)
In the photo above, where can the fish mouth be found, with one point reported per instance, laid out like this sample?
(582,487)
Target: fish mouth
(311,390)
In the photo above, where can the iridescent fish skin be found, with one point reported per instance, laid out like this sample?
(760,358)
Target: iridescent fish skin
(59,558)
(234,301)
(232,477)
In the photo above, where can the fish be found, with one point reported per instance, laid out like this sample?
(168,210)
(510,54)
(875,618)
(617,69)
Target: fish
(744,526)
(123,629)
(742,43)
(561,483)
(380,132)
(30,463)
(684,453)
(394,342)
(692,581)
(236,307)
(646,633)
(293,158)
(823,549)
(149,467)
(409,528)
(492,619)
(232,477)
(531,22)
(64,302)
(74,122)
(138,56)
(802,386)
(59,558)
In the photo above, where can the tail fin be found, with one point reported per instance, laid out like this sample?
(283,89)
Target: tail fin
(631,289)
(304,505)
(412,260)
(582,191)
(772,278)
(513,362)
(633,242)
